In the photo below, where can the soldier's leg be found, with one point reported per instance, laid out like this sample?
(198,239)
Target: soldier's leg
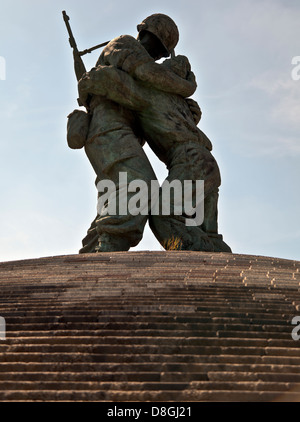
(123,230)
(193,162)
(183,166)
(210,224)
(112,155)
(90,241)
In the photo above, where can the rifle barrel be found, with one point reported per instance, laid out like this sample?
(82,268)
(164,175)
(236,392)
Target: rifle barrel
(89,50)
(71,39)
(79,66)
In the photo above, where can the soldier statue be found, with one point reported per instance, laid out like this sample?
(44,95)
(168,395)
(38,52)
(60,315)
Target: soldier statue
(131,99)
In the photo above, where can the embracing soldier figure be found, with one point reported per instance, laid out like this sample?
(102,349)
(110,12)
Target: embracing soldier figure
(132,99)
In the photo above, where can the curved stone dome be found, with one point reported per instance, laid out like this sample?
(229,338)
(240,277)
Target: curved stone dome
(150,326)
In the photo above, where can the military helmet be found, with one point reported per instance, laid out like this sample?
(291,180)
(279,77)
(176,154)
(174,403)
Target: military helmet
(164,28)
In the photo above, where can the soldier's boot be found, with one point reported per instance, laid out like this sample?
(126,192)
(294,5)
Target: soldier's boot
(210,224)
(111,243)
(218,242)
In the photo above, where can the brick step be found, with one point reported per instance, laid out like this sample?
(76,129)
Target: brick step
(165,320)
(117,301)
(118,339)
(255,334)
(163,365)
(203,396)
(148,358)
(120,305)
(150,376)
(147,386)
(285,338)
(125,301)
(98,353)
(66,370)
(144,277)
(96,337)
(119,278)
(139,376)
(61,283)
(211,330)
(138,294)
(149,396)
(163,313)
(254,376)
(96,298)
(160,316)
(137,289)
(167,288)
(159,313)
(187,281)
(106,323)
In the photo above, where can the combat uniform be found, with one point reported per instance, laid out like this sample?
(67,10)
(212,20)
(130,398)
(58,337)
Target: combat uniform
(150,105)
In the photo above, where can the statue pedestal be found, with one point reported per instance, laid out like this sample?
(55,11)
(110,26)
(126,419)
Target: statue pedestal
(150,326)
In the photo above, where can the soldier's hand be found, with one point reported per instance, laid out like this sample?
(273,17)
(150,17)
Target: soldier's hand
(195,110)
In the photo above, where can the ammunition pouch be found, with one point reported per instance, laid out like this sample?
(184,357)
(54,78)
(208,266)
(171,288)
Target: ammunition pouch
(77,128)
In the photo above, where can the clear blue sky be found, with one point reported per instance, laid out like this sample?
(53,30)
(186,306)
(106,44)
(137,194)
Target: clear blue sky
(241,52)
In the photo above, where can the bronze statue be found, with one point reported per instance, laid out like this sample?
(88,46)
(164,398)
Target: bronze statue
(131,99)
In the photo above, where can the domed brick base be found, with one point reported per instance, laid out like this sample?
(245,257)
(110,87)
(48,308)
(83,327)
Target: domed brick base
(150,326)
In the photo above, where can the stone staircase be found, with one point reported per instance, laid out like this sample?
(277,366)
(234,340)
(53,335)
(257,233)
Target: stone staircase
(150,326)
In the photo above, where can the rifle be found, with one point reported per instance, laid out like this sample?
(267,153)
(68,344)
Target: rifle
(79,66)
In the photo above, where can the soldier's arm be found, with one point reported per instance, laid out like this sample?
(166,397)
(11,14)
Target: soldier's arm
(195,109)
(113,84)
(128,54)
(164,79)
